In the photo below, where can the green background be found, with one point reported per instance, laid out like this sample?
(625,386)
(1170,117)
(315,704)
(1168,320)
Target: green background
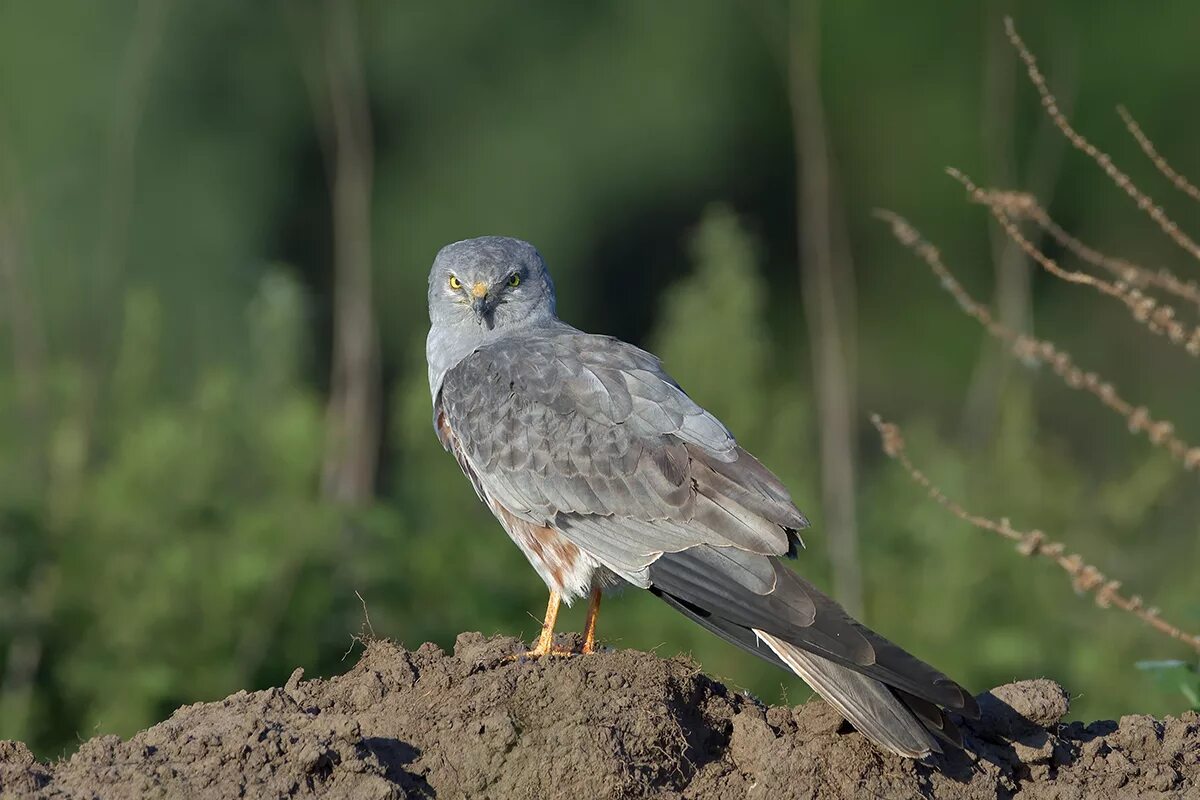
(165,225)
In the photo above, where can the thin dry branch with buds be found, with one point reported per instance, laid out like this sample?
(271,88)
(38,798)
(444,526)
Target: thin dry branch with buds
(1178,181)
(1147,310)
(1077,140)
(1160,432)
(1024,206)
(1085,578)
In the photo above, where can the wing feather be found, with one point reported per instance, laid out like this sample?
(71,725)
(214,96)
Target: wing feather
(574,423)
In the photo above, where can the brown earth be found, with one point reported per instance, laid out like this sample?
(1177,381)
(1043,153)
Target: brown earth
(613,725)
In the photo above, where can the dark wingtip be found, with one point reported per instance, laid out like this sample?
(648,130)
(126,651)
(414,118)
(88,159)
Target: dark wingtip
(949,732)
(966,704)
(970,707)
(932,717)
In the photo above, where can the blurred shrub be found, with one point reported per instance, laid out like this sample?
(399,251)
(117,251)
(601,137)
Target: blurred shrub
(166,559)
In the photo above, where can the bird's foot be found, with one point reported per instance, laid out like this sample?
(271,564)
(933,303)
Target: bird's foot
(540,652)
(542,649)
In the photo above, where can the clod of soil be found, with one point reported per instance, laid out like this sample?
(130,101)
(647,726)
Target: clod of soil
(623,724)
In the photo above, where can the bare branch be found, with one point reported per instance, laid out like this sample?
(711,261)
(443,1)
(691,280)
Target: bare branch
(1077,140)
(1178,181)
(1160,319)
(331,67)
(354,404)
(1161,433)
(1023,205)
(1085,578)
(828,302)
(1042,164)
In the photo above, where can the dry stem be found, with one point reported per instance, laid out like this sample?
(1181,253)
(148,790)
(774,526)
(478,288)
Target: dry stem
(1023,205)
(1160,432)
(1178,181)
(1123,181)
(828,294)
(1085,578)
(1147,310)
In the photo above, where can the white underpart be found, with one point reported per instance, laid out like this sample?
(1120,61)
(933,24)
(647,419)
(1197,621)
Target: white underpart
(577,578)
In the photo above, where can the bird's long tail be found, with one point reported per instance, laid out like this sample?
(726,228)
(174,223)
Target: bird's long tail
(874,709)
(893,717)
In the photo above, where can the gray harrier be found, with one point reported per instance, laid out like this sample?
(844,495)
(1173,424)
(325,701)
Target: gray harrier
(603,471)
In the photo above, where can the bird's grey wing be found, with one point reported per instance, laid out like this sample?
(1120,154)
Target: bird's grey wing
(589,436)
(568,429)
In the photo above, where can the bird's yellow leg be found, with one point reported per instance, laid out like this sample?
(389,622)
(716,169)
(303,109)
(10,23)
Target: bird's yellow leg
(545,642)
(589,625)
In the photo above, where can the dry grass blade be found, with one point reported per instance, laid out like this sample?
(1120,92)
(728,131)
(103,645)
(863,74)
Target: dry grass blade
(1077,140)
(1022,205)
(1147,310)
(1178,181)
(1161,433)
(1085,578)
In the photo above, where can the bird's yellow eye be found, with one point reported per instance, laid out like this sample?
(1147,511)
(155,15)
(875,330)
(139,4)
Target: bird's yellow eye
(455,283)
(514,280)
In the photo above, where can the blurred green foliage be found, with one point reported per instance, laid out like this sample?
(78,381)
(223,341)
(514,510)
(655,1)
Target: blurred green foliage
(1174,675)
(164,345)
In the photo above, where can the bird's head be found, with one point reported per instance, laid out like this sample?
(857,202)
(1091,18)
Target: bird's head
(491,282)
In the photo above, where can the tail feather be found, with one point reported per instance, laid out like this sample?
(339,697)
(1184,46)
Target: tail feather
(873,708)
(895,719)
(895,699)
(931,716)
(727,585)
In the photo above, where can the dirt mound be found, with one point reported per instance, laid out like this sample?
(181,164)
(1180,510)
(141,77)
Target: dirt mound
(614,725)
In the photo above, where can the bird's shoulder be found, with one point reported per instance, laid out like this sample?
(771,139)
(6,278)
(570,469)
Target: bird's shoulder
(561,372)
(560,350)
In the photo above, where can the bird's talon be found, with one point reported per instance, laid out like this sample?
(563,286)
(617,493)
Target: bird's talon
(553,651)
(539,652)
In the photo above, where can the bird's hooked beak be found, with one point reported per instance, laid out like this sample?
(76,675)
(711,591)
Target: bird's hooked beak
(480,304)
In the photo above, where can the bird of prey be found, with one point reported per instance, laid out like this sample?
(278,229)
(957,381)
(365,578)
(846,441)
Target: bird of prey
(603,471)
